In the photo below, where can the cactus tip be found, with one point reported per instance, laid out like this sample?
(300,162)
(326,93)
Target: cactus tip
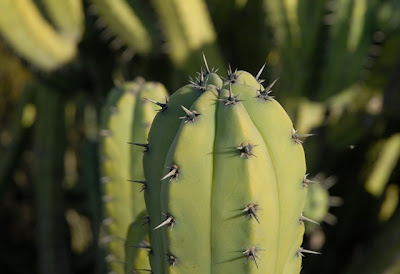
(232,99)
(232,75)
(199,82)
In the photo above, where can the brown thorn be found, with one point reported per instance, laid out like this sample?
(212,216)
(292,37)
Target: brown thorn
(205,63)
(296,137)
(259,73)
(163,106)
(269,88)
(307,182)
(145,146)
(303,218)
(252,253)
(171,259)
(301,250)
(169,221)
(174,172)
(144,185)
(190,115)
(231,100)
(251,210)
(246,150)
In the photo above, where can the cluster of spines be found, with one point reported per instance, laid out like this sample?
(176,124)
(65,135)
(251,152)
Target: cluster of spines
(245,150)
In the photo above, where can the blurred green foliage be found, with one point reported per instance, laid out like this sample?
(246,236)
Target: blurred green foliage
(338,63)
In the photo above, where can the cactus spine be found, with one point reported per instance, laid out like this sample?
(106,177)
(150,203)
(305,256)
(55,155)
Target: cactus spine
(224,174)
(126,118)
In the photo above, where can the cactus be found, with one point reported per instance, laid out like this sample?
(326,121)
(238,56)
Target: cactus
(32,37)
(189,30)
(68,16)
(225,182)
(126,118)
(387,158)
(319,202)
(123,19)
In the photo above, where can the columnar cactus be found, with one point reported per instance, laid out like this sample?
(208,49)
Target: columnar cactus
(126,118)
(33,38)
(225,180)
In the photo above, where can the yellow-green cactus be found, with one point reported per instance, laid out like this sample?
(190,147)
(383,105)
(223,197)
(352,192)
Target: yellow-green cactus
(32,37)
(68,16)
(126,119)
(188,30)
(123,20)
(225,185)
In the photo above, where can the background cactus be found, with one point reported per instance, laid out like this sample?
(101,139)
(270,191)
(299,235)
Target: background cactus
(126,120)
(337,63)
(34,38)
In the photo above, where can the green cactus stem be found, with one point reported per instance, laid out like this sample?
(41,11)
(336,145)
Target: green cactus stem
(224,173)
(126,121)
(189,31)
(29,34)
(49,148)
(125,21)
(388,156)
(68,16)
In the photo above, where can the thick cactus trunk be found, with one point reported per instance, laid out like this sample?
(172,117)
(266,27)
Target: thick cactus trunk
(224,174)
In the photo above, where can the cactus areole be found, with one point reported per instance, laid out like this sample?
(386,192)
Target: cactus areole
(224,180)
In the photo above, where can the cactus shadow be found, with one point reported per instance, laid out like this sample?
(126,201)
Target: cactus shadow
(239,214)
(228,151)
(233,259)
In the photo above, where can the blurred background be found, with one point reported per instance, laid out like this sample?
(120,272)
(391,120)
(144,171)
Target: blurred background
(338,64)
